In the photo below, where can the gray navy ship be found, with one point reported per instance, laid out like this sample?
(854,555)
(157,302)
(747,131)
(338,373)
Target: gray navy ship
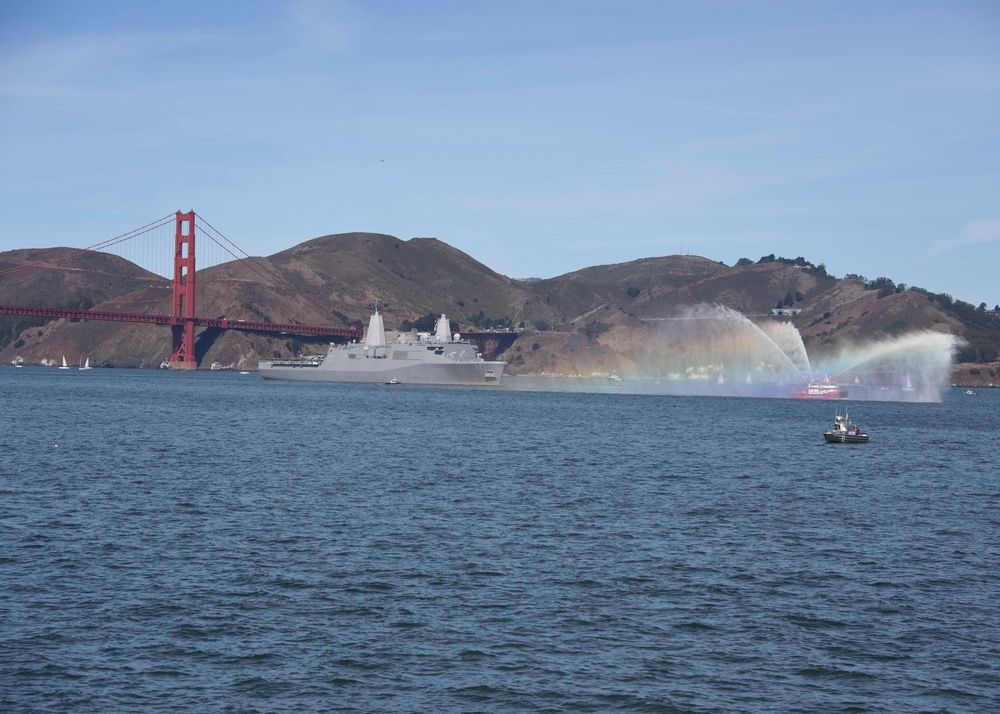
(399,358)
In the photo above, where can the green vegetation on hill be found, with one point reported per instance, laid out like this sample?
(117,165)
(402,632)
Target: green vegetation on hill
(818,270)
(982,326)
(12,326)
(428,323)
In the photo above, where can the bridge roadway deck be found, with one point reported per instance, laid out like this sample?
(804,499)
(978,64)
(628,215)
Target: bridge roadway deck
(166,320)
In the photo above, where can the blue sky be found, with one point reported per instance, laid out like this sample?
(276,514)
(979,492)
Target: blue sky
(539,137)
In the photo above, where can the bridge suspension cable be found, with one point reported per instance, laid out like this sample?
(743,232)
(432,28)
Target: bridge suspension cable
(271,276)
(151,247)
(102,247)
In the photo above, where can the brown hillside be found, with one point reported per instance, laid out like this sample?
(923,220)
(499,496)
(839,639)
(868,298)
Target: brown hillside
(635,287)
(353,272)
(68,276)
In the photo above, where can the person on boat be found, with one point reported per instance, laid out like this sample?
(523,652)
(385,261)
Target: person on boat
(857,430)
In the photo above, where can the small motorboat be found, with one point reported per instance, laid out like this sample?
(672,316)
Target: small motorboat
(393,381)
(969,393)
(845,431)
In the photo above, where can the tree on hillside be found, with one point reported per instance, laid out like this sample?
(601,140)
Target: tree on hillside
(427,323)
(981,346)
(595,328)
(879,283)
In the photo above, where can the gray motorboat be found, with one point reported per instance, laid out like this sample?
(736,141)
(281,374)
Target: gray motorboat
(845,431)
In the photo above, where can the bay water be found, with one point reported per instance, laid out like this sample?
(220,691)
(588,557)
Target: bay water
(213,542)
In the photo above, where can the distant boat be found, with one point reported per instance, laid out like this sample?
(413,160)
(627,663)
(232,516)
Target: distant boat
(845,432)
(909,386)
(86,365)
(244,373)
(393,381)
(968,392)
(64,365)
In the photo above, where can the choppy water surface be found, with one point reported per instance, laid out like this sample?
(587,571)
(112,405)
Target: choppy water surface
(212,542)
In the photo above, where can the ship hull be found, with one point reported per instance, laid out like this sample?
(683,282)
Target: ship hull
(468,375)
(833,437)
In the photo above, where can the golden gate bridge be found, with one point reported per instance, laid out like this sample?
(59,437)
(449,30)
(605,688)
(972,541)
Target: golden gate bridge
(183,320)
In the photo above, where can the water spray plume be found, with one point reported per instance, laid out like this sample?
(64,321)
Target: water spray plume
(711,349)
(914,367)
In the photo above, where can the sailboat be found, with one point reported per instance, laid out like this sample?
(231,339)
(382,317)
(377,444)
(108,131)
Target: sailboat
(86,365)
(64,365)
(908,387)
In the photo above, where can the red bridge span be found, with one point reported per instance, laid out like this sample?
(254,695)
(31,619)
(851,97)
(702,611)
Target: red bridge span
(183,322)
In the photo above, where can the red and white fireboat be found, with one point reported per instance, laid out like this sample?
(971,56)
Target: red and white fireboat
(827,389)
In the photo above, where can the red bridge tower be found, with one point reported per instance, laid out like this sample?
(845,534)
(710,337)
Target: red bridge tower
(183,311)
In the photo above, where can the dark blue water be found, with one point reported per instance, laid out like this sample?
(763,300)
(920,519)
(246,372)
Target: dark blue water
(212,542)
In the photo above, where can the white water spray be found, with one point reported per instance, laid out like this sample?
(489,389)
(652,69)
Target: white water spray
(709,341)
(912,367)
(713,349)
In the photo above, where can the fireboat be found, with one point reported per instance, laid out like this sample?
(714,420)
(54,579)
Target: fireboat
(827,389)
